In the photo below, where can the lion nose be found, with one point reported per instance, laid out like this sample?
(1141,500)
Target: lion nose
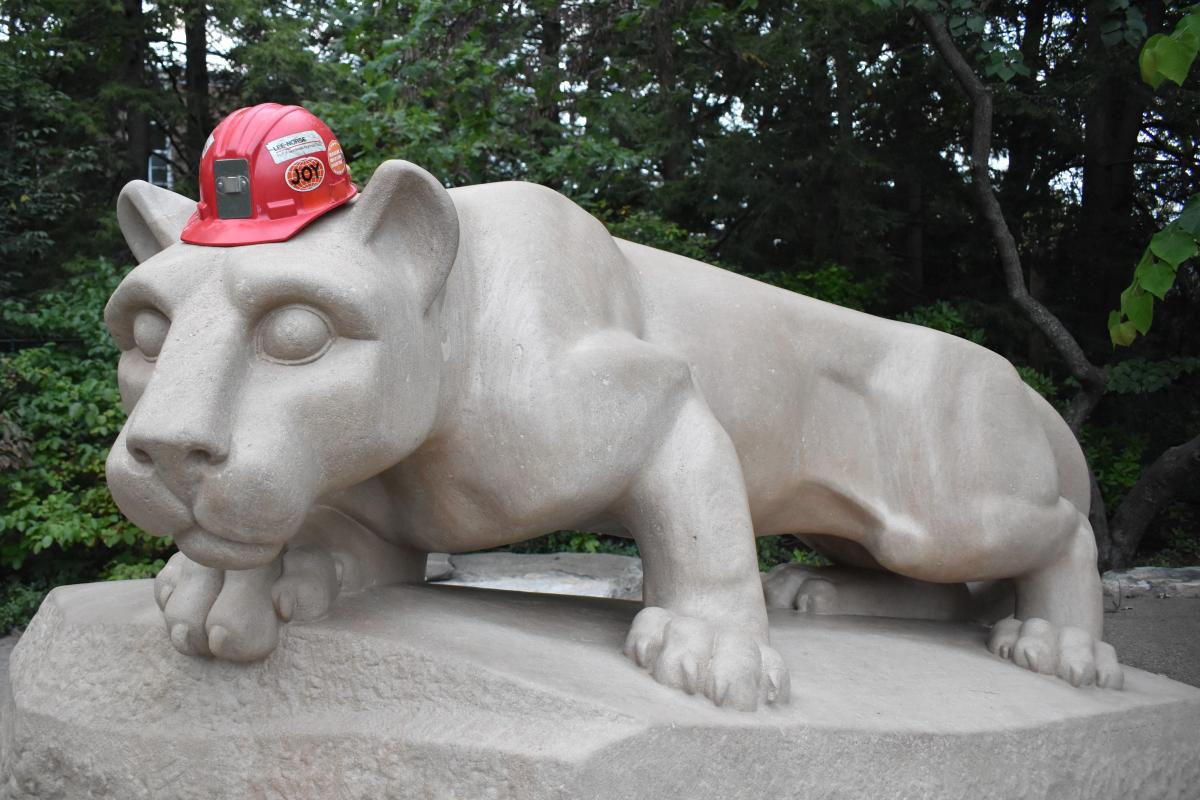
(176,450)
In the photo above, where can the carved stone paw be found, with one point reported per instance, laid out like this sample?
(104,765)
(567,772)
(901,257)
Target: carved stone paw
(235,614)
(725,664)
(1070,653)
(801,588)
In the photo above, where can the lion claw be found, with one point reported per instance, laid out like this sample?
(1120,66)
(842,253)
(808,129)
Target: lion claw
(728,666)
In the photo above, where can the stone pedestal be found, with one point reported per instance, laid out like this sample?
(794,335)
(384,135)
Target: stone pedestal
(447,692)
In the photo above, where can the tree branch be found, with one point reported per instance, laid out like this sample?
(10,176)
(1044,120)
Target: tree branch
(1091,378)
(1157,486)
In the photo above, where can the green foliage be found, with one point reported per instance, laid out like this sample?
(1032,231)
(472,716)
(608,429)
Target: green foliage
(1124,23)
(576,542)
(774,550)
(966,19)
(21,594)
(45,164)
(946,317)
(63,397)
(1040,382)
(1169,57)
(1143,376)
(19,601)
(1115,455)
(1163,57)
(1002,62)
(832,283)
(1155,274)
(128,567)
(1177,542)
(648,228)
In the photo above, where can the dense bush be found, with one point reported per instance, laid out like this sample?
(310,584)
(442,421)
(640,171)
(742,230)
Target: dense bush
(58,521)
(946,317)
(833,283)
(772,550)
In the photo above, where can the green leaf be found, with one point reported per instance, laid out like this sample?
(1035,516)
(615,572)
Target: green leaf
(1148,61)
(1122,333)
(1112,31)
(1156,278)
(1172,58)
(1135,26)
(1173,245)
(1189,218)
(1189,24)
(1138,305)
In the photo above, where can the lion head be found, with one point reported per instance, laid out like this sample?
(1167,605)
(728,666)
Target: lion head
(261,377)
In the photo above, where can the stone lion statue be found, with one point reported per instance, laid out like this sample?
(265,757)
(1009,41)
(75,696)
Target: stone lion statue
(432,370)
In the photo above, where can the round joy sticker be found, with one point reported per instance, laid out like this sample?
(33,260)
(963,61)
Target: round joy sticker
(305,174)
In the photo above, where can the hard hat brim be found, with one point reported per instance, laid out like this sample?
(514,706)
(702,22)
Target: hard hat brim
(238,232)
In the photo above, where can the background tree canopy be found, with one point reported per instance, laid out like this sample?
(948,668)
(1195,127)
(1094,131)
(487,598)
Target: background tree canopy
(824,147)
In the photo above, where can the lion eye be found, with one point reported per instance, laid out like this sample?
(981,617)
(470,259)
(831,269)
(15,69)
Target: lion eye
(149,332)
(294,335)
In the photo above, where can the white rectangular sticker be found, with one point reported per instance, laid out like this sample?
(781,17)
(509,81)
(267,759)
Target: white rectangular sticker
(285,148)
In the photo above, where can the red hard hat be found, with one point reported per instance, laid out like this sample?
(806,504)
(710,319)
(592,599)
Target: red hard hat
(265,173)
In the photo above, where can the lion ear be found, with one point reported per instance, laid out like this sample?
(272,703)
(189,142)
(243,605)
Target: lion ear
(408,218)
(151,218)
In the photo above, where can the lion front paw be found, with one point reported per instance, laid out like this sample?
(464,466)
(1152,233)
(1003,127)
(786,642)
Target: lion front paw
(235,614)
(725,664)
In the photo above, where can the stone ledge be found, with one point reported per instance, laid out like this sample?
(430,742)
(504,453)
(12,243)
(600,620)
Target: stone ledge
(584,574)
(446,692)
(1153,581)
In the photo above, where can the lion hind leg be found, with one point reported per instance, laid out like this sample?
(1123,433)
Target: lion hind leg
(1059,618)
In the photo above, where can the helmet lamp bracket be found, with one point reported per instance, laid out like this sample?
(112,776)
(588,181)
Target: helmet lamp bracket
(232,179)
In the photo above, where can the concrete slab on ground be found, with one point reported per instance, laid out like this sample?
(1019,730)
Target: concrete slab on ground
(1159,635)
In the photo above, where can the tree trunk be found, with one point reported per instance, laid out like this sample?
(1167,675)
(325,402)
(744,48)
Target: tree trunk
(548,78)
(133,76)
(1098,518)
(195,26)
(1025,141)
(914,224)
(910,171)
(1160,482)
(1106,243)
(1091,378)
(846,184)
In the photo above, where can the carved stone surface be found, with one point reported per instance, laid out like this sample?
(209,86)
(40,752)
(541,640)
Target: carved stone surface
(448,692)
(431,370)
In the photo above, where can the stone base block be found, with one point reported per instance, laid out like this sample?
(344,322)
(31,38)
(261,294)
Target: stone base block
(448,692)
